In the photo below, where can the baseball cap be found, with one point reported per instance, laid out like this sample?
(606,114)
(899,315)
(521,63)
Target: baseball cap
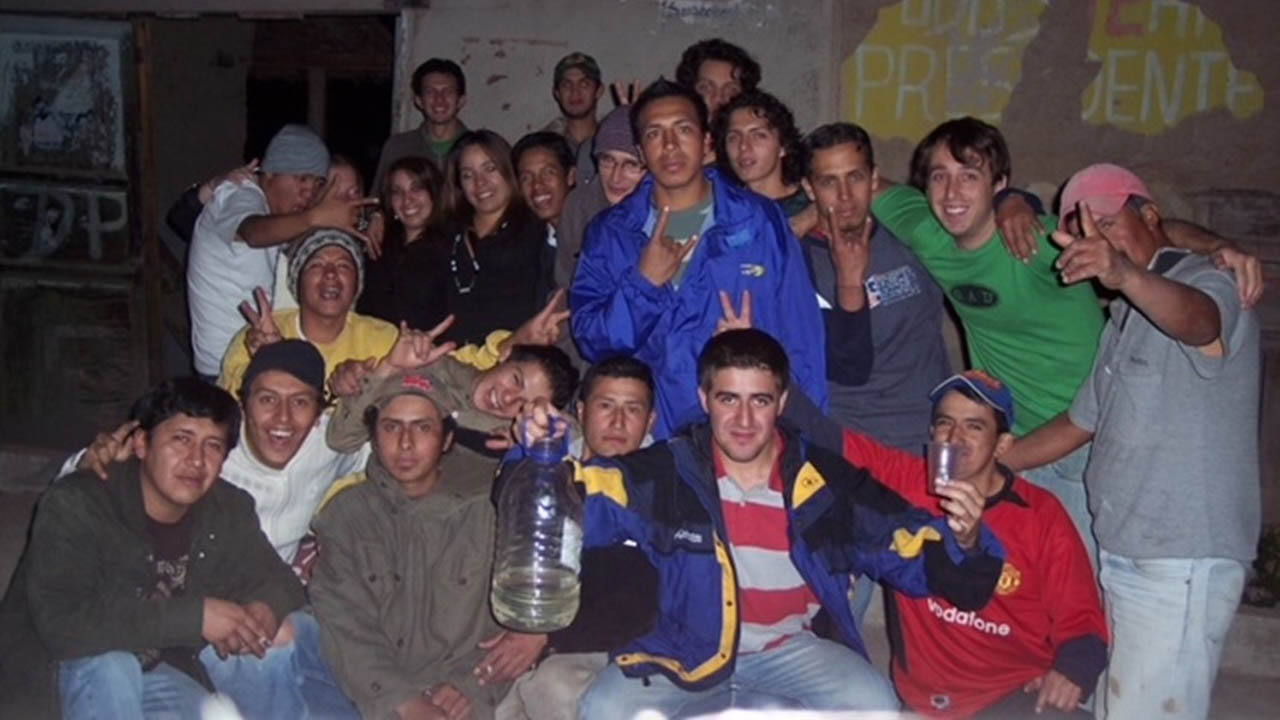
(1104,187)
(992,391)
(416,382)
(299,358)
(581,61)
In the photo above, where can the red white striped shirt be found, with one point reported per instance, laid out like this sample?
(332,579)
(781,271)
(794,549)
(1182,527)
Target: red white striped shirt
(774,602)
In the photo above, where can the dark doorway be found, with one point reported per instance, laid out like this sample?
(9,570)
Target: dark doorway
(348,59)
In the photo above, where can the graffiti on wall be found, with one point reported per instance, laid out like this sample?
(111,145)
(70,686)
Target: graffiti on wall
(1161,61)
(925,61)
(60,222)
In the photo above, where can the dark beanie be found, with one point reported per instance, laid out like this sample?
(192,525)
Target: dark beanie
(299,358)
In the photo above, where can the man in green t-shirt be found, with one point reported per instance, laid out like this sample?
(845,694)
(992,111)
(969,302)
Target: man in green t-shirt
(439,93)
(1021,323)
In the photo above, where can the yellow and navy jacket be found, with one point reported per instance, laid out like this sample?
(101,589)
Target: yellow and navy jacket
(841,522)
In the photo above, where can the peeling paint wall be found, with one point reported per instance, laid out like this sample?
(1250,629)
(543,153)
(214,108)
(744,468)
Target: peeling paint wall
(1185,92)
(508,49)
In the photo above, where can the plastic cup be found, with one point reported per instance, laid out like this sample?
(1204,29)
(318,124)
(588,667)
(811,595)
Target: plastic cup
(944,464)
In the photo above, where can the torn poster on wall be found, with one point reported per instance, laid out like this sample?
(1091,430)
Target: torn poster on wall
(61,105)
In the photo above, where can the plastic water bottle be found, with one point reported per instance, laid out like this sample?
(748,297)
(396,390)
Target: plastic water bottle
(539,547)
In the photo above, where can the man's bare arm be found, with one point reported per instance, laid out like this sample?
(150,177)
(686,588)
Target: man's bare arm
(1048,443)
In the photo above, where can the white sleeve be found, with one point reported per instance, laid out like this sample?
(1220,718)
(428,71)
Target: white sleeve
(231,205)
(71,465)
(355,462)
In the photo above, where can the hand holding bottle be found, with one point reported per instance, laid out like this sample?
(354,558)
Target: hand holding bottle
(537,421)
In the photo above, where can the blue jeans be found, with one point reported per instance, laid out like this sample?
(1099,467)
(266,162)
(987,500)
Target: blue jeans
(112,685)
(290,681)
(860,598)
(804,672)
(1169,619)
(1065,479)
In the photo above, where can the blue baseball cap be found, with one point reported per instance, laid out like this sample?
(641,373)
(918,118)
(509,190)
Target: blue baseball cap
(992,391)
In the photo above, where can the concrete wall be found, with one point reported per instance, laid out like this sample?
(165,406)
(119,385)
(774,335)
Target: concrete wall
(1186,93)
(199,73)
(509,49)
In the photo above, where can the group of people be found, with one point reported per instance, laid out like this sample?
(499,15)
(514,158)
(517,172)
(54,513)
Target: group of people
(742,325)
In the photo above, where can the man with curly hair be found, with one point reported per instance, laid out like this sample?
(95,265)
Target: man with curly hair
(757,144)
(718,70)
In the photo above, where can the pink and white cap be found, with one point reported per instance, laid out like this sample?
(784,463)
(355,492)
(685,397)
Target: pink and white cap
(1104,187)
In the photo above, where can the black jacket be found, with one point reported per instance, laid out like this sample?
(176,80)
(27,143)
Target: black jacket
(81,587)
(511,284)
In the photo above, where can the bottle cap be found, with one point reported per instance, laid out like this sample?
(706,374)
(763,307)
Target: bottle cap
(550,449)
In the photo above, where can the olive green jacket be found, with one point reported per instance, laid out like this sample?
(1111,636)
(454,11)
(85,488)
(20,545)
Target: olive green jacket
(401,587)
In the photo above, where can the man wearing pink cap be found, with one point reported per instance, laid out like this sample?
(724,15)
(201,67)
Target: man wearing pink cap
(1172,409)
(1020,323)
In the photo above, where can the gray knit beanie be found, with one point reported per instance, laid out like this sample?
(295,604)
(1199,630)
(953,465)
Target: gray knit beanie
(298,150)
(614,132)
(313,243)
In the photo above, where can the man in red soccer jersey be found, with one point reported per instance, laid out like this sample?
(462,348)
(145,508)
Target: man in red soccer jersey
(1040,643)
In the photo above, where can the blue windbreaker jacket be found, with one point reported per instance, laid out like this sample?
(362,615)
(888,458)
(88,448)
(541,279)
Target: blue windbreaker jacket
(749,246)
(841,522)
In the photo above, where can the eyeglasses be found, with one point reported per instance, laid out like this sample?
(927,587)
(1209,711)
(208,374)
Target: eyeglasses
(607,163)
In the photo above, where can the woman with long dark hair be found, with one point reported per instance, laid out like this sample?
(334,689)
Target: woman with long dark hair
(498,260)
(407,281)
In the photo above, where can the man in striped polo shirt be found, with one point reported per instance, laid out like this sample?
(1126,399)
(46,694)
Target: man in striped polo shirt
(753,531)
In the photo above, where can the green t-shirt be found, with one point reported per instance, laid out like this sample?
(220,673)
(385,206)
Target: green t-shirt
(682,225)
(441,148)
(1021,324)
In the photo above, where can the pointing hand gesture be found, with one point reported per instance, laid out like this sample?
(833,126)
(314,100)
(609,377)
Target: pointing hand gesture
(662,256)
(731,319)
(335,211)
(1092,256)
(262,324)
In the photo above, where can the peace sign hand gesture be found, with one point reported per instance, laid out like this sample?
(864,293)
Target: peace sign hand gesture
(262,324)
(541,329)
(731,319)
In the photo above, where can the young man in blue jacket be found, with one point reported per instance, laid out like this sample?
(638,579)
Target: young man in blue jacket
(754,532)
(659,269)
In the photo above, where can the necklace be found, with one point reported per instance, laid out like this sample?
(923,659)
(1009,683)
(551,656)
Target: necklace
(453,265)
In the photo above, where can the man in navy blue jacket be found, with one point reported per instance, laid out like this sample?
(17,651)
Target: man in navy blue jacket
(753,532)
(661,268)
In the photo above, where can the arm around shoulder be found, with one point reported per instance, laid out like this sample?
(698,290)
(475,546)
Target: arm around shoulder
(1046,444)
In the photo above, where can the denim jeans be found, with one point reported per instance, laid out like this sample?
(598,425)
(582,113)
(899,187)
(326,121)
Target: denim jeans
(553,689)
(112,685)
(1168,619)
(290,681)
(1065,479)
(804,672)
